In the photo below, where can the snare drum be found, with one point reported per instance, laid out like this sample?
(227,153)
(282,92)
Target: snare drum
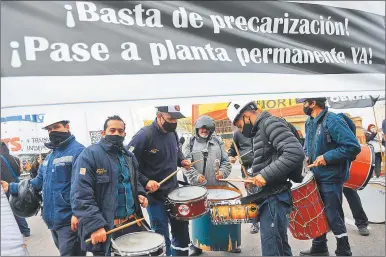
(231,212)
(210,237)
(308,219)
(361,169)
(373,200)
(188,202)
(144,243)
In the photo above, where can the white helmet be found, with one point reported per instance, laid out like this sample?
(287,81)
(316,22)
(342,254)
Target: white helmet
(236,108)
(53,118)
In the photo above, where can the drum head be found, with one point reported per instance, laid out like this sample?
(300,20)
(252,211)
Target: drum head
(187,193)
(373,201)
(222,194)
(139,242)
(307,178)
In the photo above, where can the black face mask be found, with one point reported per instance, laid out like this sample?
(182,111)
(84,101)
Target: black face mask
(307,110)
(169,126)
(57,137)
(247,129)
(116,140)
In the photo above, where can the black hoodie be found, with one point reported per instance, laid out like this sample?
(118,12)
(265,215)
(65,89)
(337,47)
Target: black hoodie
(13,161)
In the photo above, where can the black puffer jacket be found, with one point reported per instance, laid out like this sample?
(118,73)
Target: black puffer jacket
(274,162)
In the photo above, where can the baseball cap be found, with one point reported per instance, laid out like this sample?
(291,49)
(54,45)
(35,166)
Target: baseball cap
(173,110)
(316,99)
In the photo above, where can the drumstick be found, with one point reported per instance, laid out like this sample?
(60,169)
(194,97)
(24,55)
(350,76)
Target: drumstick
(236,180)
(241,162)
(119,228)
(195,162)
(163,181)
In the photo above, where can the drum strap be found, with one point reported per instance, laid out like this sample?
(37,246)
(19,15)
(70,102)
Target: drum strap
(183,183)
(259,197)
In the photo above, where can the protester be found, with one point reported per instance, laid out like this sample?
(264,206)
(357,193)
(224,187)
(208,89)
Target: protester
(329,156)
(54,179)
(106,191)
(271,167)
(10,172)
(372,139)
(157,150)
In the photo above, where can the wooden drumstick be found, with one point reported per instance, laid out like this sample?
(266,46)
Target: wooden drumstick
(241,162)
(119,228)
(236,180)
(164,180)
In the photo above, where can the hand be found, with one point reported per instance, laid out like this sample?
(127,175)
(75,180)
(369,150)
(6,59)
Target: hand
(186,164)
(74,223)
(143,201)
(98,236)
(5,186)
(219,175)
(152,185)
(259,181)
(320,161)
(201,179)
(232,159)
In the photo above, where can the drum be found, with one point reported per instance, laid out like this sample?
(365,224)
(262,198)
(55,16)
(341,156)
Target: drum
(308,219)
(188,202)
(373,200)
(144,243)
(232,212)
(210,237)
(361,169)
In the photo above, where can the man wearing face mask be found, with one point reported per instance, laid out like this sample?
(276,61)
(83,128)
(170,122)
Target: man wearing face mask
(156,147)
(271,167)
(330,147)
(106,191)
(54,179)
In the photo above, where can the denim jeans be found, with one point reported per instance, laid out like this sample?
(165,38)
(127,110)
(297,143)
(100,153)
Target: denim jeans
(160,219)
(355,204)
(332,198)
(273,215)
(23,225)
(67,241)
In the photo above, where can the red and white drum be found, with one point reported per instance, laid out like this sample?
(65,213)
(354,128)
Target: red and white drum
(308,219)
(361,170)
(188,202)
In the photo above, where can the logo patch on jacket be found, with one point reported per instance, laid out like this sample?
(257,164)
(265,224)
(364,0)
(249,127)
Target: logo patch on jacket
(82,171)
(101,171)
(154,150)
(131,149)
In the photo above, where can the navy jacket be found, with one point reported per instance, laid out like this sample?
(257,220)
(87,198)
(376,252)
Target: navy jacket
(54,178)
(338,154)
(159,160)
(95,188)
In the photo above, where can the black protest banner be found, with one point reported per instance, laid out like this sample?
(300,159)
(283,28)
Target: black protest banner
(66,38)
(347,102)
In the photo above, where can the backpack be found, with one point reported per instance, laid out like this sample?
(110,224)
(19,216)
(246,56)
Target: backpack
(296,174)
(347,120)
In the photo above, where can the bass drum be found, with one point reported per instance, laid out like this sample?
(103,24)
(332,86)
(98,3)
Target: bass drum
(373,200)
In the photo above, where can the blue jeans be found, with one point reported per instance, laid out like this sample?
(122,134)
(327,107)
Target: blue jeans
(332,198)
(23,225)
(160,219)
(67,242)
(273,215)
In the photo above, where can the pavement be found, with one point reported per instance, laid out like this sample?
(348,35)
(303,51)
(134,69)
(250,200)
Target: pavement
(41,244)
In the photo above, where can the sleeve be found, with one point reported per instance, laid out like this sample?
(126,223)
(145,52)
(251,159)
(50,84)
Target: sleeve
(137,147)
(347,144)
(180,157)
(289,150)
(225,165)
(83,202)
(370,136)
(37,182)
(232,151)
(192,174)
